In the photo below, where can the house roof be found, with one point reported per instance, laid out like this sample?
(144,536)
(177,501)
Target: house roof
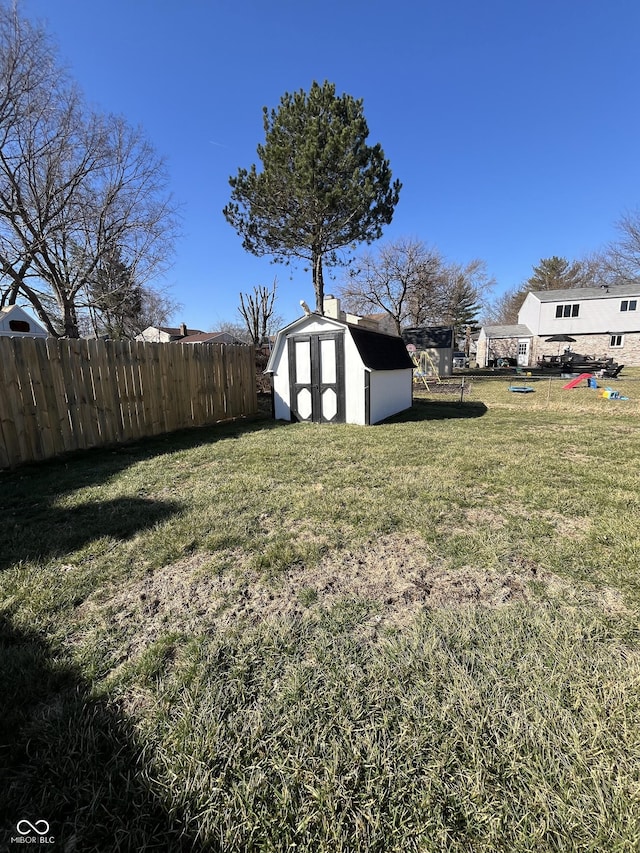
(209,337)
(198,338)
(379,351)
(517,331)
(611,292)
(428,337)
(177,332)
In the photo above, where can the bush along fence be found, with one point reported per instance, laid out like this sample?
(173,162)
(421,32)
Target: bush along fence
(62,395)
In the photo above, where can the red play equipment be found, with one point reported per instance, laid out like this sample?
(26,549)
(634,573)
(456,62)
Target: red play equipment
(577,381)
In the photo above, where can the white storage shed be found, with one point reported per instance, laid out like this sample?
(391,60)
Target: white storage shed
(328,371)
(15,322)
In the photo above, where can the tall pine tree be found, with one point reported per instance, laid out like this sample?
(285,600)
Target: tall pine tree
(321,188)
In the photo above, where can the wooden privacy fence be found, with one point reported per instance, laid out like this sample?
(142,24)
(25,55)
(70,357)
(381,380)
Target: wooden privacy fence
(63,395)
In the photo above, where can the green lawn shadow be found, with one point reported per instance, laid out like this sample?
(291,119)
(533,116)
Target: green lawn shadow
(437,410)
(73,761)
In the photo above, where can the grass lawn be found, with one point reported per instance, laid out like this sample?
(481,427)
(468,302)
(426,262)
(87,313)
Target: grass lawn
(419,636)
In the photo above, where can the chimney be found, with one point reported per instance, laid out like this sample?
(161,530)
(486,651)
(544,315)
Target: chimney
(331,307)
(183,330)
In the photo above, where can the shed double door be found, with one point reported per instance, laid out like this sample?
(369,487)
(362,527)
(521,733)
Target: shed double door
(316,377)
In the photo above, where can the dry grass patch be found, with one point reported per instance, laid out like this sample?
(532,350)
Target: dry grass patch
(565,525)
(396,576)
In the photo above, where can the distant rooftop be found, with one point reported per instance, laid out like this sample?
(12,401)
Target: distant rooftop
(516,331)
(428,337)
(612,292)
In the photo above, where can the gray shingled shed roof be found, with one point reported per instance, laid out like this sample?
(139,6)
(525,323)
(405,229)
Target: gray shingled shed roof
(429,337)
(517,331)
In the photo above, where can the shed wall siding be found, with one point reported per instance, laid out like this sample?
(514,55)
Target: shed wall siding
(391,392)
(354,375)
(354,371)
(281,390)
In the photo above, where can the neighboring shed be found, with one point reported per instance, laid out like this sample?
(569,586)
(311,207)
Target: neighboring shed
(328,371)
(16,322)
(436,342)
(504,342)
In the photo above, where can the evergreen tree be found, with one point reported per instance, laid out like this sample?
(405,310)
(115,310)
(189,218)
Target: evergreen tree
(550,274)
(321,188)
(556,274)
(115,300)
(463,307)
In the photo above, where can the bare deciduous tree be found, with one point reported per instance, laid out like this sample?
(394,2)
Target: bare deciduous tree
(415,286)
(623,256)
(258,311)
(75,186)
(400,280)
(238,330)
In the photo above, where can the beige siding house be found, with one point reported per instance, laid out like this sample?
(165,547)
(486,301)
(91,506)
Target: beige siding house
(604,322)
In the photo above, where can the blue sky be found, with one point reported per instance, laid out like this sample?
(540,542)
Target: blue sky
(512,124)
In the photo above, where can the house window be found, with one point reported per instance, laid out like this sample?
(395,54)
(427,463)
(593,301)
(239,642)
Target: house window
(628,304)
(523,349)
(567,310)
(616,340)
(19,326)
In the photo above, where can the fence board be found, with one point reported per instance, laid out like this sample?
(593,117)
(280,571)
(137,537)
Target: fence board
(63,395)
(10,445)
(82,396)
(44,405)
(100,390)
(56,384)
(28,424)
(111,371)
(153,385)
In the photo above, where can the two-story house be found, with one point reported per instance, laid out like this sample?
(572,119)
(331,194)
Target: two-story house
(603,321)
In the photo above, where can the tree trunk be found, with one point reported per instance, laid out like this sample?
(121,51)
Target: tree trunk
(318,282)
(71,329)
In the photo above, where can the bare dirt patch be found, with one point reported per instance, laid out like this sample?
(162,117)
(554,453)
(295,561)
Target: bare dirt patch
(396,574)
